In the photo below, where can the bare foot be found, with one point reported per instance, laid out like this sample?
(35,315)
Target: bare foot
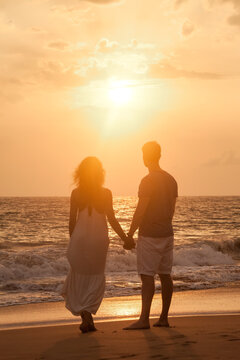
(138,325)
(87,322)
(161,323)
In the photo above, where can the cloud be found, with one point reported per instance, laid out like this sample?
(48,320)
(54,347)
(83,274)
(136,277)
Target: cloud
(10,97)
(235,18)
(117,59)
(10,89)
(134,44)
(6,24)
(164,70)
(228,158)
(187,28)
(102,2)
(58,45)
(42,67)
(105,45)
(37,30)
(57,74)
(44,74)
(62,45)
(9,80)
(178,3)
(96,2)
(236,3)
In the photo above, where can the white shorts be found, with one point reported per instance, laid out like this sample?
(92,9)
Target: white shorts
(154,255)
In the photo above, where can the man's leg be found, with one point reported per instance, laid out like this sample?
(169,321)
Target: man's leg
(167,290)
(148,288)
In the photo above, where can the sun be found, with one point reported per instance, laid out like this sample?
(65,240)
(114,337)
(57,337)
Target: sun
(119,92)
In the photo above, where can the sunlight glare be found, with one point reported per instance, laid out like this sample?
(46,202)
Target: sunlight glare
(119,93)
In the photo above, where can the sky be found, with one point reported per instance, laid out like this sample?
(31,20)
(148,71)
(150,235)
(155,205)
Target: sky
(100,78)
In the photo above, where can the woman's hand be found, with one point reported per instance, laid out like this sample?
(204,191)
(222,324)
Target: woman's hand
(129,243)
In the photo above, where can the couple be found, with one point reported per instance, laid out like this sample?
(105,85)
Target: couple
(91,204)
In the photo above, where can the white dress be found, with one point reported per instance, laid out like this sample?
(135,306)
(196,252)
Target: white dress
(85,283)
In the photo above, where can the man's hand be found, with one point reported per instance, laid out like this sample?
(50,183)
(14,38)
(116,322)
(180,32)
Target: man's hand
(129,243)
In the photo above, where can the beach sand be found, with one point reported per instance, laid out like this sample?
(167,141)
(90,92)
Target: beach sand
(200,337)
(205,324)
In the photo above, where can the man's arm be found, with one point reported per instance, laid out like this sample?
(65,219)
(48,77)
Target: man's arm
(138,215)
(173,204)
(174,198)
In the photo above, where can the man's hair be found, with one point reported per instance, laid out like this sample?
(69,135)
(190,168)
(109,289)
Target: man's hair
(152,151)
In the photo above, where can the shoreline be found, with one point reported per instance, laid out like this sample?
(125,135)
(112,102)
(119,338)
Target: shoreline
(228,285)
(190,303)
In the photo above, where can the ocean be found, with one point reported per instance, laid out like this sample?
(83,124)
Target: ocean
(34,238)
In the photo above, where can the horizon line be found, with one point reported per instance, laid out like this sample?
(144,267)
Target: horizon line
(54,196)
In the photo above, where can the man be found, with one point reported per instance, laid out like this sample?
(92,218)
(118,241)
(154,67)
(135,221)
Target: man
(153,217)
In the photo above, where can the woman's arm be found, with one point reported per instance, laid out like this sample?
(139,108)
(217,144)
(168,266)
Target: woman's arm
(73,212)
(111,217)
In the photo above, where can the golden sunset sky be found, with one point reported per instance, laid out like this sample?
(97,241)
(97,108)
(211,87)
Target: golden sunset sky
(100,78)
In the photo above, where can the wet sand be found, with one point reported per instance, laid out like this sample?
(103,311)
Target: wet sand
(195,302)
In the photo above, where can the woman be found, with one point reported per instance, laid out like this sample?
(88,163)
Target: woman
(90,204)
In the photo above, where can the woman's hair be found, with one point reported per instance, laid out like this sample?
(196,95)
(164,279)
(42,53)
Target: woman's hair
(89,175)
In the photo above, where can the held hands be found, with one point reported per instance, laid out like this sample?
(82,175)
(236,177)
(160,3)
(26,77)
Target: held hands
(129,243)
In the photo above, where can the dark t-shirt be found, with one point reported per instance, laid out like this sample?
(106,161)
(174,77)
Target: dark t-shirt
(162,190)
